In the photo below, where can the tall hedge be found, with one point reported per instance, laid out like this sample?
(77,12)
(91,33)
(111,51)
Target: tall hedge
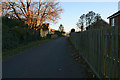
(15,32)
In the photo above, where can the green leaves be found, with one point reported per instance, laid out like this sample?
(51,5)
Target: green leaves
(15,32)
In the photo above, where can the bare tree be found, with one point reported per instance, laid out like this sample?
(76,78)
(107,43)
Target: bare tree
(92,17)
(0,9)
(88,19)
(34,14)
(81,22)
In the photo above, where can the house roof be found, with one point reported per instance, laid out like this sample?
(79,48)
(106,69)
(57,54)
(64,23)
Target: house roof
(100,22)
(45,26)
(115,14)
(53,30)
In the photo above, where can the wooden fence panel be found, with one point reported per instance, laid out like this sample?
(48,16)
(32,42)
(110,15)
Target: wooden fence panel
(99,48)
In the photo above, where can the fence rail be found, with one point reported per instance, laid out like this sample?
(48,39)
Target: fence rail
(99,47)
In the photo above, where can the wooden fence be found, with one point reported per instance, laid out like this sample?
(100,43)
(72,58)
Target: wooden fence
(99,47)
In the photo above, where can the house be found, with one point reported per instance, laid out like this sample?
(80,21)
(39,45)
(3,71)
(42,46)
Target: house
(45,29)
(114,20)
(97,25)
(52,30)
(45,26)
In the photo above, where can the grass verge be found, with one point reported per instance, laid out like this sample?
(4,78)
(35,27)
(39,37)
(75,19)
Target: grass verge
(22,47)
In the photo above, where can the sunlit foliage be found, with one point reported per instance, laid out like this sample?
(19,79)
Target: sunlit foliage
(34,14)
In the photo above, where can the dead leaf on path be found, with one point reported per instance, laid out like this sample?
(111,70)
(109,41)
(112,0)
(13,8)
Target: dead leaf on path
(59,69)
(75,54)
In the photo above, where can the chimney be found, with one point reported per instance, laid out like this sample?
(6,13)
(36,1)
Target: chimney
(119,6)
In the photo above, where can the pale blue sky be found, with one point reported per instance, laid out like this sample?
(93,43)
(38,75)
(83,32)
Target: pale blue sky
(73,10)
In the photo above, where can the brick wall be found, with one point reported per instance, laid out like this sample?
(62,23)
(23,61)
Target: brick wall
(117,20)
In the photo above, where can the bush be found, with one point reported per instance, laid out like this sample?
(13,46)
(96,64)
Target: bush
(15,32)
(48,36)
(58,33)
(12,22)
(9,40)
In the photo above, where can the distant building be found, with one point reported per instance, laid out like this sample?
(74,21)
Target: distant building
(53,30)
(97,25)
(45,26)
(45,29)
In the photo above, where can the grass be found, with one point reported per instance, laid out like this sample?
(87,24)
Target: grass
(22,47)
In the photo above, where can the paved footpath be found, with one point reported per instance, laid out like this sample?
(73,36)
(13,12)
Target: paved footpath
(49,60)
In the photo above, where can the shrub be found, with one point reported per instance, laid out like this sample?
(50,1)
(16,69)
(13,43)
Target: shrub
(9,40)
(15,32)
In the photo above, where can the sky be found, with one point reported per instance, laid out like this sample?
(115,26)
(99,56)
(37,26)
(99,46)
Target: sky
(73,10)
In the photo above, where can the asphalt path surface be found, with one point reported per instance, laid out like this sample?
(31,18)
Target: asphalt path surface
(49,60)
